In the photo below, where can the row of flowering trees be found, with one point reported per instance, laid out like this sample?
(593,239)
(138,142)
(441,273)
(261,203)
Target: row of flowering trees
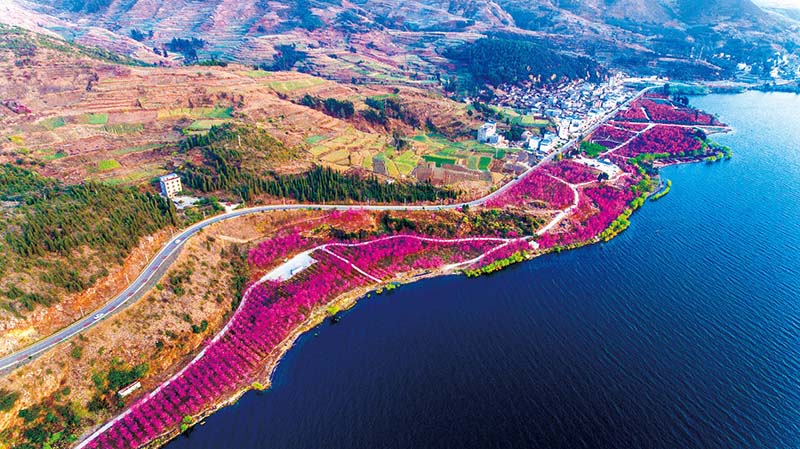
(661,110)
(385,257)
(676,141)
(276,248)
(267,316)
(269,313)
(572,172)
(538,189)
(604,202)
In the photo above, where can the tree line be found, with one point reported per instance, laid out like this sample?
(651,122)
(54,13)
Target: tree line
(286,57)
(223,172)
(233,162)
(382,109)
(343,109)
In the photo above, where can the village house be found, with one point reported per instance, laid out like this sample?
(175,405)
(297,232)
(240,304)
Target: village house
(487,133)
(170,185)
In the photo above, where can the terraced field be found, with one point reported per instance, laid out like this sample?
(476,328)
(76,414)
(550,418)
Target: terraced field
(86,113)
(474,155)
(217,112)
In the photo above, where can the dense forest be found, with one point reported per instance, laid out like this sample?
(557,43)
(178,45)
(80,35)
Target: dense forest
(56,231)
(499,60)
(301,12)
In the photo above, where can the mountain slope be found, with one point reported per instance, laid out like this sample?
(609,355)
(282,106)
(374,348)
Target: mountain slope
(376,39)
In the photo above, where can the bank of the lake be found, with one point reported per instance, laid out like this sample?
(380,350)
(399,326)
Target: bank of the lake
(684,331)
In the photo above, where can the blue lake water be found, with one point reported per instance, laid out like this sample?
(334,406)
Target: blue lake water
(683,332)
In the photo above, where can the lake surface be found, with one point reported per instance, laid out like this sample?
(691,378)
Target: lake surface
(683,332)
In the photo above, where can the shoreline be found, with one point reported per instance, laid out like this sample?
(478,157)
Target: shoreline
(344,301)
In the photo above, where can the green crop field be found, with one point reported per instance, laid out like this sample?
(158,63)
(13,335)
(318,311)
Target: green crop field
(217,112)
(315,139)
(392,169)
(135,177)
(108,164)
(404,163)
(438,149)
(367,164)
(205,125)
(336,156)
(136,149)
(529,121)
(53,123)
(97,119)
(124,128)
(54,156)
(526,120)
(258,74)
(439,160)
(384,96)
(286,87)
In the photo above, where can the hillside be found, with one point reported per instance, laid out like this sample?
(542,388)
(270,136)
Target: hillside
(73,127)
(406,40)
(77,111)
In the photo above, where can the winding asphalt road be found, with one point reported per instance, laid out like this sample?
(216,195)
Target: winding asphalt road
(164,258)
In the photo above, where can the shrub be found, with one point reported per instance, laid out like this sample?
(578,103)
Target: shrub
(7,399)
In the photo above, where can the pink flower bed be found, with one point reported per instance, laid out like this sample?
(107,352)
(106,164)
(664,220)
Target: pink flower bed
(611,136)
(635,127)
(504,252)
(270,251)
(267,316)
(572,172)
(536,189)
(385,257)
(608,203)
(606,143)
(661,110)
(665,112)
(634,113)
(663,139)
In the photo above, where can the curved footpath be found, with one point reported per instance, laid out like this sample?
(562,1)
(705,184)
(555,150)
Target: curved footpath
(163,259)
(272,276)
